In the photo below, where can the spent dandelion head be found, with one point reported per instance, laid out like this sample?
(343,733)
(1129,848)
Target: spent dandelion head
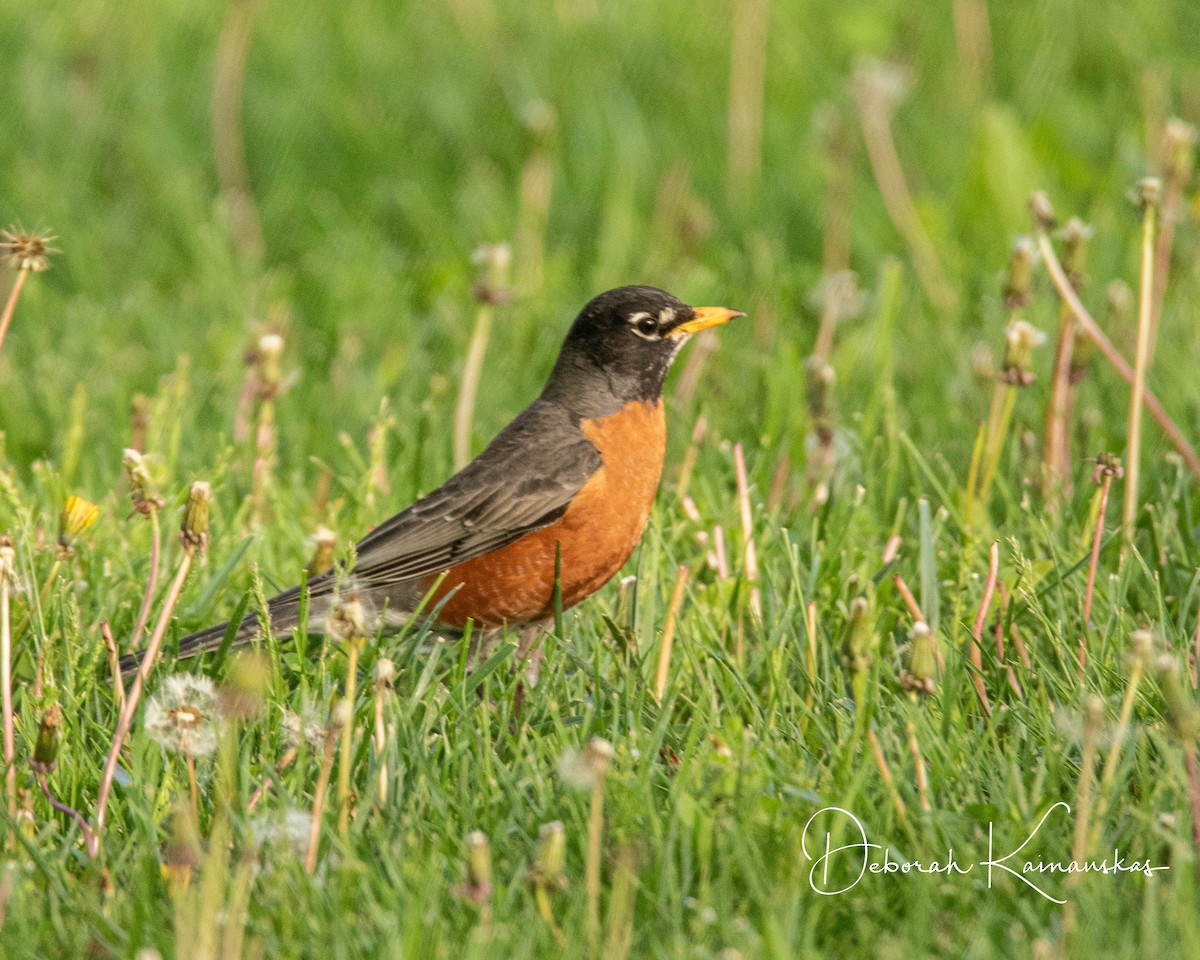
(349,619)
(185,715)
(303,728)
(281,832)
(26,250)
(880,85)
(584,769)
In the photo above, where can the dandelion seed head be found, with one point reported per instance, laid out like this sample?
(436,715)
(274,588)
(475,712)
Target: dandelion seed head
(185,715)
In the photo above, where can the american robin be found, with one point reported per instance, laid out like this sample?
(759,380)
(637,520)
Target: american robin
(570,482)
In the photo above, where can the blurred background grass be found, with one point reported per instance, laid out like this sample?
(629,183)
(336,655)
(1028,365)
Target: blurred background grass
(385,142)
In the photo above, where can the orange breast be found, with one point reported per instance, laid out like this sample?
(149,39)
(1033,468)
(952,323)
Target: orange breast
(596,535)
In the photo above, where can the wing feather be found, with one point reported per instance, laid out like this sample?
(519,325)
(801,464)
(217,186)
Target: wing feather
(523,481)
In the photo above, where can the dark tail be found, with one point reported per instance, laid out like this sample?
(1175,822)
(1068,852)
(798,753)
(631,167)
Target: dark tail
(284,611)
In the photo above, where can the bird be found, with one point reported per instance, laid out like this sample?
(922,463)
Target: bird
(562,493)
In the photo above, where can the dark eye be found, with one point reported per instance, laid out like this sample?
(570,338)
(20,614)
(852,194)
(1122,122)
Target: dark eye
(647,326)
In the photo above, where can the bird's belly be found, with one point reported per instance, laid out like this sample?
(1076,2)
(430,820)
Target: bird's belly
(595,536)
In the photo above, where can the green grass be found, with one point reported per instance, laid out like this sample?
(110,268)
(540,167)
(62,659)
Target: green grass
(384,144)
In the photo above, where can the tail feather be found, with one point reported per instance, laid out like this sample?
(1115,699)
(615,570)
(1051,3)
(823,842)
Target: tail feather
(284,611)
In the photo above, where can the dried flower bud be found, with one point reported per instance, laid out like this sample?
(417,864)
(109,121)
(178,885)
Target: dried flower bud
(1119,301)
(244,693)
(1107,465)
(22,250)
(858,641)
(322,558)
(478,887)
(193,532)
(385,673)
(8,565)
(921,675)
(1075,235)
(551,857)
(1182,715)
(1094,715)
(45,752)
(492,288)
(1019,281)
(1020,340)
(141,485)
(76,517)
(1148,194)
(819,381)
(1141,648)
(268,355)
(983,364)
(1178,151)
(182,851)
(1042,210)
(340,717)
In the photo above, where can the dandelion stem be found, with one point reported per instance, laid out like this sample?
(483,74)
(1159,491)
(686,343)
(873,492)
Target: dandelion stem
(1088,325)
(135,694)
(1141,361)
(284,762)
(314,833)
(343,791)
(875,109)
(63,808)
(10,770)
(668,636)
(1097,536)
(11,305)
(919,764)
(750,554)
(114,664)
(151,579)
(464,410)
(592,866)
(976,655)
(1136,669)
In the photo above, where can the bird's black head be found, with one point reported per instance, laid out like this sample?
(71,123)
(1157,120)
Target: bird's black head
(621,346)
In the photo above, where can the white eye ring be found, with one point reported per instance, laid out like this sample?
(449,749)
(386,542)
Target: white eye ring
(645,326)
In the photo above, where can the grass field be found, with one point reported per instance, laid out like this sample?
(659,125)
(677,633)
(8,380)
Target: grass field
(731,155)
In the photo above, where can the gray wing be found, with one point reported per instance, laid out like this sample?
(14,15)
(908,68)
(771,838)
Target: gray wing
(524,480)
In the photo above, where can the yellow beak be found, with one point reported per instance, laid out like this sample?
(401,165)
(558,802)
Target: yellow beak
(704,317)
